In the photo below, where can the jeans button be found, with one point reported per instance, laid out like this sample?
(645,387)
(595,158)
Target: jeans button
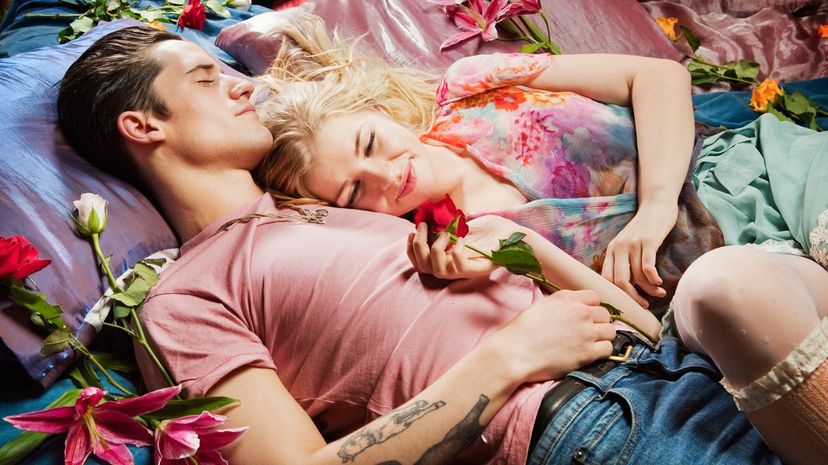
(579,455)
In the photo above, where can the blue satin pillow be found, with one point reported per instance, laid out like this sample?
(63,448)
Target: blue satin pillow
(41,176)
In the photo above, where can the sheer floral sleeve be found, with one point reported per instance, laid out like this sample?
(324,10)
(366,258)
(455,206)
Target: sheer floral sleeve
(476,74)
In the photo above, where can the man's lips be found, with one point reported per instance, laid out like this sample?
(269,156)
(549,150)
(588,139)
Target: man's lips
(409,180)
(246,109)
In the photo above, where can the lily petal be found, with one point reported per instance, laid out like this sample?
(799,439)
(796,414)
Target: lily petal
(149,402)
(87,398)
(445,2)
(55,420)
(219,439)
(119,428)
(204,420)
(78,446)
(116,454)
(177,444)
(457,38)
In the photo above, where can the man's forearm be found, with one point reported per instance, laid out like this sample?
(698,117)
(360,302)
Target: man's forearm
(435,425)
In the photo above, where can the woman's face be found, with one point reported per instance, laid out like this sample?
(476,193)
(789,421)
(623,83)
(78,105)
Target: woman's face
(368,161)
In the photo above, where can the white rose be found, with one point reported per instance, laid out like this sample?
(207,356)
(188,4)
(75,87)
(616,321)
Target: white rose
(91,217)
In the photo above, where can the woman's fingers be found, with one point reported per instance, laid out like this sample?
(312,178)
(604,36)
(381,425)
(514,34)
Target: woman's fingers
(439,260)
(648,268)
(421,249)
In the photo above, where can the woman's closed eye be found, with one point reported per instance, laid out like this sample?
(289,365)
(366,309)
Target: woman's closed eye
(369,147)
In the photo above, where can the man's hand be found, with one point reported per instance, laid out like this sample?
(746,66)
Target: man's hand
(631,255)
(558,334)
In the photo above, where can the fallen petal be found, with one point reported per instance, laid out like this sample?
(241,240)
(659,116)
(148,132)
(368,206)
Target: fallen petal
(457,38)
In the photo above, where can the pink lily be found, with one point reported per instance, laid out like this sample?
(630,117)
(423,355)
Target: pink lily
(524,7)
(193,436)
(95,427)
(446,2)
(478,18)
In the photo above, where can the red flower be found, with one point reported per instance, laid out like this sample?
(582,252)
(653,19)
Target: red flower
(18,258)
(193,15)
(525,7)
(441,216)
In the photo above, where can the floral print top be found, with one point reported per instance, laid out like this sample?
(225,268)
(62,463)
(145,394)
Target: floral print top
(573,158)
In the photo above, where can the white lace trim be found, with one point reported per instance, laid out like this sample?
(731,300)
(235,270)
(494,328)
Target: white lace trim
(786,375)
(790,247)
(819,240)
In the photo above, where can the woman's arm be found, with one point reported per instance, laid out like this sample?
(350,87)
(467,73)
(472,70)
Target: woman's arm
(552,337)
(659,93)
(558,267)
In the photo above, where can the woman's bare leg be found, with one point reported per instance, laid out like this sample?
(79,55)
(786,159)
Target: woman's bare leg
(759,316)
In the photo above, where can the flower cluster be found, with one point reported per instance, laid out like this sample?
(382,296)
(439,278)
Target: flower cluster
(513,253)
(482,17)
(95,421)
(91,12)
(767,96)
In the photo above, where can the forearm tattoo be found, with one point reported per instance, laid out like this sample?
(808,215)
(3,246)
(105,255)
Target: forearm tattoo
(458,437)
(396,422)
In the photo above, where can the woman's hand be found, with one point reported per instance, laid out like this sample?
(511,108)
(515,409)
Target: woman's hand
(454,261)
(631,255)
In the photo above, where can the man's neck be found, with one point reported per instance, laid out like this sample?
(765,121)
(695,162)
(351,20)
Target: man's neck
(193,199)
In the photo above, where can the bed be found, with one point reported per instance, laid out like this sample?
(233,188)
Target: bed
(41,175)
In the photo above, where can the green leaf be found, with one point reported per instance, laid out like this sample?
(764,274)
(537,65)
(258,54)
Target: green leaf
(691,38)
(146,272)
(66,34)
(702,73)
(745,69)
(134,294)
(82,24)
(15,450)
(87,371)
(179,408)
(56,341)
(531,48)
(176,2)
(113,5)
(154,261)
(114,362)
(150,15)
(512,240)
(120,310)
(518,258)
(216,7)
(772,110)
(36,303)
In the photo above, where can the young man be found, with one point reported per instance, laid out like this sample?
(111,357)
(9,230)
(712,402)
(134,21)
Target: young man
(338,351)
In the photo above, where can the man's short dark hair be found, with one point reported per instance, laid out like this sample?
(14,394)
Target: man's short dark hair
(116,74)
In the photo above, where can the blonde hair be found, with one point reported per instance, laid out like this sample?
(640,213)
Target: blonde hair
(314,77)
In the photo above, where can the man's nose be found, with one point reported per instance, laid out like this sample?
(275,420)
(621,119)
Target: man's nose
(240,87)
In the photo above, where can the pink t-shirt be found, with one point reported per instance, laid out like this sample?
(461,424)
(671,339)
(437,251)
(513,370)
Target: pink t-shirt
(352,330)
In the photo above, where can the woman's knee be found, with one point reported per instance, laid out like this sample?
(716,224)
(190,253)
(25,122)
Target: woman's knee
(716,285)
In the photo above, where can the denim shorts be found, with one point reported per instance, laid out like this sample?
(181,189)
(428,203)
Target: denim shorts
(662,406)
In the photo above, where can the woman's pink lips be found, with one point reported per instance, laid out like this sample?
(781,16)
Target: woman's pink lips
(409,180)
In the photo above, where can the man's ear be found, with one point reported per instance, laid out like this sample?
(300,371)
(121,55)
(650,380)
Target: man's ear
(139,127)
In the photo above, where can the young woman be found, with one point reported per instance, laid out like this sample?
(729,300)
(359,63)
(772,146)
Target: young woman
(551,143)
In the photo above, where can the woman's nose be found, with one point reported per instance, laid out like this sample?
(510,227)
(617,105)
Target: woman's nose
(380,174)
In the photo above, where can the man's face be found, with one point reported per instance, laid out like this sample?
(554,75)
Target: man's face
(212,122)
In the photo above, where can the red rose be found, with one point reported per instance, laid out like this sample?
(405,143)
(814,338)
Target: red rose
(440,215)
(193,15)
(18,258)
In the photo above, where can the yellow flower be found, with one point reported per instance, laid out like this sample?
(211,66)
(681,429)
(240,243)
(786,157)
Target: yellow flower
(668,25)
(823,31)
(157,24)
(765,93)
